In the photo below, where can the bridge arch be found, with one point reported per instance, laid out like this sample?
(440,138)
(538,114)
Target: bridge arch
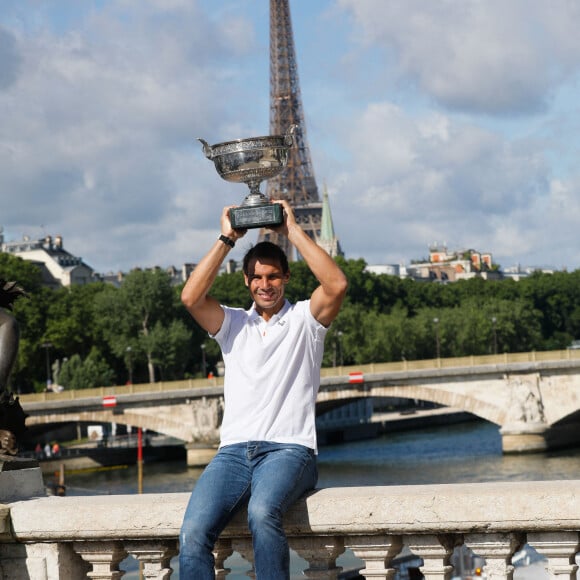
(135,420)
(465,402)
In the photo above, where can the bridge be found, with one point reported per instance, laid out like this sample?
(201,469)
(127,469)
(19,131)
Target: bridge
(534,398)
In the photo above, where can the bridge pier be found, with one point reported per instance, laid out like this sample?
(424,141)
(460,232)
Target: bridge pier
(525,437)
(534,437)
(523,441)
(200,454)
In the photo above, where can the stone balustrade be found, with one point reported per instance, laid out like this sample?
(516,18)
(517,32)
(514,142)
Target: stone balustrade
(70,538)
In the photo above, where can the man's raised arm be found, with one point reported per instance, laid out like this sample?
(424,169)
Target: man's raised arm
(327,299)
(206,310)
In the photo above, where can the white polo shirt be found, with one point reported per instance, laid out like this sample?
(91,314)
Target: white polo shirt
(272,375)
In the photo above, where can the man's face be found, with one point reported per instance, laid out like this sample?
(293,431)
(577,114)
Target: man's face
(266,282)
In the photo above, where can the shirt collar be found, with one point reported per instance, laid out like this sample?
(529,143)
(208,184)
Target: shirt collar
(256,318)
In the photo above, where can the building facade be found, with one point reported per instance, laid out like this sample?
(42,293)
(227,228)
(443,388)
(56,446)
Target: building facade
(58,267)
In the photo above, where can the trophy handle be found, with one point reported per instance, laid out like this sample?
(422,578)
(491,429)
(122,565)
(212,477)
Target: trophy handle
(288,137)
(207,149)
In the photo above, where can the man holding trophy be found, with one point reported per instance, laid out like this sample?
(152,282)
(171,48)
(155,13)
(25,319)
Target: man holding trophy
(272,354)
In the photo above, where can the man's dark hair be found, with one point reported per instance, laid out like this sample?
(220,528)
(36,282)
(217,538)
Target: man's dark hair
(267,251)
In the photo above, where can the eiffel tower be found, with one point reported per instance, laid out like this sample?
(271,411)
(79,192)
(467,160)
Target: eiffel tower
(296,183)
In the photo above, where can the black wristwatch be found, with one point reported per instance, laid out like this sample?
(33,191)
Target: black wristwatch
(227,241)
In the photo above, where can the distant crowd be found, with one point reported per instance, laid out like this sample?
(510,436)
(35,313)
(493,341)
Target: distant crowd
(48,451)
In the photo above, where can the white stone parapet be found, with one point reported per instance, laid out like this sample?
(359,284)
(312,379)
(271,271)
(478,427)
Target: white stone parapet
(70,538)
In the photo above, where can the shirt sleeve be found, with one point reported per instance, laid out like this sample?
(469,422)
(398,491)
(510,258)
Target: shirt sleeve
(218,336)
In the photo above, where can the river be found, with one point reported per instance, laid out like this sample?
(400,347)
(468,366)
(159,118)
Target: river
(461,453)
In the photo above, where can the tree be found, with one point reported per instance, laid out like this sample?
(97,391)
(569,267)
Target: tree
(26,273)
(128,316)
(70,320)
(169,347)
(141,329)
(93,371)
(229,289)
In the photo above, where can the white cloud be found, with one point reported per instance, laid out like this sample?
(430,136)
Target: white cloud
(486,56)
(415,180)
(428,121)
(97,117)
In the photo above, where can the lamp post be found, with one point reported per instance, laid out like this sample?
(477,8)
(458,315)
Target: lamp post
(437,341)
(493,323)
(337,348)
(340,347)
(130,364)
(47,346)
(203,364)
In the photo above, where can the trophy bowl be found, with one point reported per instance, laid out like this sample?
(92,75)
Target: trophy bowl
(252,161)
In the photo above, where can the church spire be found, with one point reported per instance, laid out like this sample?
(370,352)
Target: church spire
(327,238)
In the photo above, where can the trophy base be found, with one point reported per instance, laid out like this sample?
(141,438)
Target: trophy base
(258,216)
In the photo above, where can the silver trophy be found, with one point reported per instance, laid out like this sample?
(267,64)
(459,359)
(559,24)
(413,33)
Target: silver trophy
(251,161)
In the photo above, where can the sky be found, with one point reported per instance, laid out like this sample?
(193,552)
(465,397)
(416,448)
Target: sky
(449,122)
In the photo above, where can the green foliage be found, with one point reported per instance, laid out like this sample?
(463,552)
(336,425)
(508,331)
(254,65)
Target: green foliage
(169,348)
(71,324)
(103,335)
(230,289)
(141,316)
(26,273)
(93,371)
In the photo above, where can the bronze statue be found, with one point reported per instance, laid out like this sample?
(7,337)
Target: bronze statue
(12,416)
(8,442)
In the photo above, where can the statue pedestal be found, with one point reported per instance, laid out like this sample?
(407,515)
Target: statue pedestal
(20,479)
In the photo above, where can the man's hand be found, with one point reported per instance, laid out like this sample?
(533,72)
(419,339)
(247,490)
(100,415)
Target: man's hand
(288,222)
(226,225)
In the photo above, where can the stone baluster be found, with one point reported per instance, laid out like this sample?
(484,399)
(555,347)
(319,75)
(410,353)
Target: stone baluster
(560,548)
(243,546)
(104,558)
(154,557)
(497,549)
(321,553)
(221,552)
(435,552)
(376,552)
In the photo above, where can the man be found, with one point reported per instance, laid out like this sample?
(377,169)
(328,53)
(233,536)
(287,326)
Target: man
(272,354)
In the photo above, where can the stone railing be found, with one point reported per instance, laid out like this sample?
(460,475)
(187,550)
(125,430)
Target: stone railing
(69,538)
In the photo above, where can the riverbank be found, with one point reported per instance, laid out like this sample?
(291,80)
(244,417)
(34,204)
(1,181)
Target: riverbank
(88,458)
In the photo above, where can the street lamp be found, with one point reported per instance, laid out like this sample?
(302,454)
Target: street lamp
(47,346)
(130,364)
(203,365)
(337,348)
(437,341)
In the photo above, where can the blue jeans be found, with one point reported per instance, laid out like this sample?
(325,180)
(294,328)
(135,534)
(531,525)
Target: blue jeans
(269,477)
